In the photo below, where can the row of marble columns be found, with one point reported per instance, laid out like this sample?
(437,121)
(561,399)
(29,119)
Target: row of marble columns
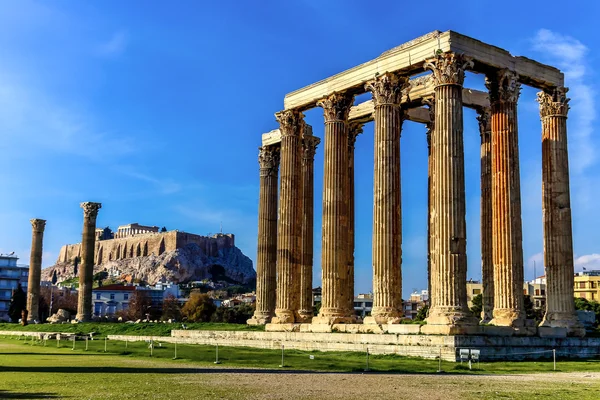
(285,229)
(86,270)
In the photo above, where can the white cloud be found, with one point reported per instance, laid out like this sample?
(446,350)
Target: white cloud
(115,46)
(588,261)
(569,54)
(166,186)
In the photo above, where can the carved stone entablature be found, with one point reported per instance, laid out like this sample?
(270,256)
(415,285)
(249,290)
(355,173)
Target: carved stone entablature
(336,106)
(90,210)
(503,86)
(555,103)
(354,129)
(484,116)
(291,122)
(268,159)
(309,147)
(449,68)
(388,89)
(38,225)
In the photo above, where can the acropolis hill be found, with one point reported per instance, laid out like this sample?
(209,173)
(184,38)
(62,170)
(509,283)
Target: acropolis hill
(137,252)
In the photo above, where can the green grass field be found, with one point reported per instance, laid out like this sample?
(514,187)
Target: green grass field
(28,369)
(114,328)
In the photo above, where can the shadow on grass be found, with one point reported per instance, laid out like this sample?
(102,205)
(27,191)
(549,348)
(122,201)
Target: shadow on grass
(5,394)
(89,353)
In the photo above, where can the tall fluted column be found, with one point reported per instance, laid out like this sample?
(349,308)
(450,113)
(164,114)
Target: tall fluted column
(556,205)
(309,147)
(387,91)
(507,247)
(268,159)
(290,217)
(334,249)
(449,261)
(487,265)
(354,129)
(430,188)
(35,269)
(86,269)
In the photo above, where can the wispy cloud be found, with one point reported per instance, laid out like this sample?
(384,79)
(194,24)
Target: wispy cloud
(569,54)
(165,186)
(115,46)
(588,261)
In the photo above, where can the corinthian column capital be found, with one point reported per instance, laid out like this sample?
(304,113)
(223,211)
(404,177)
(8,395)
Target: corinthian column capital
(354,129)
(268,159)
(388,89)
(291,122)
(503,86)
(38,225)
(90,210)
(448,68)
(555,103)
(336,106)
(309,147)
(484,117)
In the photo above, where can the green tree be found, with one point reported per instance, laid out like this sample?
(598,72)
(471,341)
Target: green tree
(585,305)
(18,303)
(170,308)
(199,308)
(422,313)
(477,306)
(100,276)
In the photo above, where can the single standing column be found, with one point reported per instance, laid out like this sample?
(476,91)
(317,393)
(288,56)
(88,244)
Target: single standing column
(354,129)
(507,247)
(268,159)
(334,249)
(449,261)
(387,91)
(556,205)
(86,268)
(309,147)
(289,228)
(35,269)
(487,265)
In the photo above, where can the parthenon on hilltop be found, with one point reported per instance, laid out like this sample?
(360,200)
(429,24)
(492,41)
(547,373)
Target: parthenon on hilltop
(422,81)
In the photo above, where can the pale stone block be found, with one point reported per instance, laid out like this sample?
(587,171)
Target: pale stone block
(550,332)
(404,329)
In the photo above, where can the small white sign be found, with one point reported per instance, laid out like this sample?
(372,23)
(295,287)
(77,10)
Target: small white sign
(311,357)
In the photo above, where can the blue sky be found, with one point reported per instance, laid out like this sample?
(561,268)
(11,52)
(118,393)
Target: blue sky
(156,110)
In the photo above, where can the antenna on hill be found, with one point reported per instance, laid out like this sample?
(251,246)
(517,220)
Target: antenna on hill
(221,227)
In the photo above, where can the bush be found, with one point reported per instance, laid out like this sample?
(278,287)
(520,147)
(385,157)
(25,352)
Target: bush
(199,308)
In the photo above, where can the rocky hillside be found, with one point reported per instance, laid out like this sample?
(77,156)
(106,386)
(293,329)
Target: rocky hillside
(188,263)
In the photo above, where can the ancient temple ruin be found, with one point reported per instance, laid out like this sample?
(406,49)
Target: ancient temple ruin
(401,91)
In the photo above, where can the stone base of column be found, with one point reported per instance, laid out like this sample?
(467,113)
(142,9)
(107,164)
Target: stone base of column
(283,317)
(451,317)
(486,317)
(333,316)
(83,318)
(380,317)
(259,319)
(564,320)
(508,317)
(304,316)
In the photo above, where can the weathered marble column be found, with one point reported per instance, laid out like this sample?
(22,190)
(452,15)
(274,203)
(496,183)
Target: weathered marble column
(309,147)
(430,187)
(334,249)
(507,247)
(387,91)
(354,129)
(86,269)
(487,265)
(449,259)
(35,269)
(556,206)
(289,228)
(268,159)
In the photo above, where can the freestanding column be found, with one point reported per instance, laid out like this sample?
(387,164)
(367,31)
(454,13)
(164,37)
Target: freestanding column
(507,247)
(35,269)
(354,129)
(449,261)
(387,92)
(334,250)
(268,159)
(556,204)
(487,265)
(309,147)
(430,187)
(289,228)
(86,269)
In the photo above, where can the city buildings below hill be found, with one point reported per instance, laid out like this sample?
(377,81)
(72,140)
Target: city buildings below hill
(11,274)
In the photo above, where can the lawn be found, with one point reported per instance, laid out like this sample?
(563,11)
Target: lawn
(115,328)
(36,371)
